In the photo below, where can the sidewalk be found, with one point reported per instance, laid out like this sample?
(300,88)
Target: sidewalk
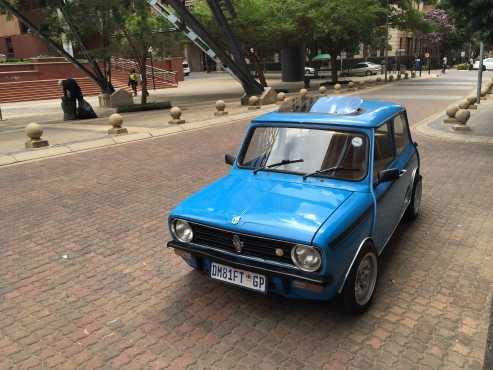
(480,124)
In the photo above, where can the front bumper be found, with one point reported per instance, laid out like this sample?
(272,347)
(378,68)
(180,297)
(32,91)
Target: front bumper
(283,281)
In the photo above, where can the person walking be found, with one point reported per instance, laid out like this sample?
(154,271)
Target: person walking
(418,65)
(73,104)
(444,65)
(133,80)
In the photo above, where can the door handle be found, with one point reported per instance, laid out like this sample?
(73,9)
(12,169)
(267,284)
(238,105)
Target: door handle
(402,173)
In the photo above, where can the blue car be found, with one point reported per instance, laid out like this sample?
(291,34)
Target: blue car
(311,201)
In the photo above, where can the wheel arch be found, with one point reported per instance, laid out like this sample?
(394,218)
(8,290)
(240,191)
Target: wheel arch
(365,241)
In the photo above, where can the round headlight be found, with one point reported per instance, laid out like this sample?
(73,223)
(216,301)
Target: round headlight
(182,231)
(306,258)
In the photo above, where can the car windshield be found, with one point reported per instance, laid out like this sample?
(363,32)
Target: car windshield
(306,151)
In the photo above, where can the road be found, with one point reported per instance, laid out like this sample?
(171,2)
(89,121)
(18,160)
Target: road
(86,280)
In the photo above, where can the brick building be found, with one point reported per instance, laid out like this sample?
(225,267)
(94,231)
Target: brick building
(16,42)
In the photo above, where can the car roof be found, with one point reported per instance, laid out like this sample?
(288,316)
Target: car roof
(338,111)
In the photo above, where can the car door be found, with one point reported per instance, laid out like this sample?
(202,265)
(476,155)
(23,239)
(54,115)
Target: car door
(388,197)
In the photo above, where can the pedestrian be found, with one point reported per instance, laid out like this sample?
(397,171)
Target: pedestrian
(418,65)
(444,65)
(73,104)
(133,80)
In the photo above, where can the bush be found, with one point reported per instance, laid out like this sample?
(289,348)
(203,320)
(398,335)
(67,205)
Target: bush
(463,66)
(143,107)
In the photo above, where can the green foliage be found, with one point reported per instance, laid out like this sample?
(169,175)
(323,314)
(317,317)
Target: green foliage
(473,15)
(462,67)
(143,107)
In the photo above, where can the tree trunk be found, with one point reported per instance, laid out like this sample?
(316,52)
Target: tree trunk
(143,73)
(333,65)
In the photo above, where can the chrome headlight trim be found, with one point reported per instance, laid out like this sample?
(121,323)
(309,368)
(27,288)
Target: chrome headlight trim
(312,258)
(181,230)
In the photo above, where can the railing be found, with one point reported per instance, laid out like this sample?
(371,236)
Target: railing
(152,73)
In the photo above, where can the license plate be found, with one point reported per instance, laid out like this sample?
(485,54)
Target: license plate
(246,279)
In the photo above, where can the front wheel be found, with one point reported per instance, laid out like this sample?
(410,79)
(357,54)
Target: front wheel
(360,287)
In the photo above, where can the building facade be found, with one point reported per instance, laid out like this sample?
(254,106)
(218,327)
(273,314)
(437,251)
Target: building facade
(16,41)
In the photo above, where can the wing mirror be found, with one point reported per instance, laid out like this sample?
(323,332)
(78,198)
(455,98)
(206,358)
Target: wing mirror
(229,159)
(391,174)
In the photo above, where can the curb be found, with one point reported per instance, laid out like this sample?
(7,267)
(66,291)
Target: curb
(83,146)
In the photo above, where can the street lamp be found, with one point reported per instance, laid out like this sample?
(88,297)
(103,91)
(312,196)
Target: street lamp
(150,50)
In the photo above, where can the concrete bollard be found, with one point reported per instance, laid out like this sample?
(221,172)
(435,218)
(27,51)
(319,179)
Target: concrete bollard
(451,112)
(323,90)
(462,116)
(176,113)
(464,104)
(220,108)
(253,103)
(350,85)
(398,76)
(391,78)
(413,74)
(472,102)
(34,132)
(484,94)
(362,84)
(337,88)
(280,98)
(379,80)
(116,122)
(303,92)
(406,76)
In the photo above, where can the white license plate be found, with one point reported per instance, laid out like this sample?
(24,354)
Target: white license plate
(247,279)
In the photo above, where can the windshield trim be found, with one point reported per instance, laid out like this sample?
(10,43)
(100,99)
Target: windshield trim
(251,130)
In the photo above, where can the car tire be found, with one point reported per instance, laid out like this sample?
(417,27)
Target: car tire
(414,206)
(360,286)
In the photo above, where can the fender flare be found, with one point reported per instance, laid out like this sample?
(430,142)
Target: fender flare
(348,271)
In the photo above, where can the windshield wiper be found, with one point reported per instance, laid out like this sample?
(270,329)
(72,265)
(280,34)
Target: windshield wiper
(331,169)
(282,163)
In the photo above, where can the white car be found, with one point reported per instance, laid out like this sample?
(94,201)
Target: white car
(186,68)
(366,69)
(309,71)
(487,64)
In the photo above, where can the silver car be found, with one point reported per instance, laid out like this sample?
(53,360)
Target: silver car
(366,69)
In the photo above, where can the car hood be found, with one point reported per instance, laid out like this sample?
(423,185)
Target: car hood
(279,209)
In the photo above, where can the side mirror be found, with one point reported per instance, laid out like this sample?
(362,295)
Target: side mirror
(229,159)
(391,174)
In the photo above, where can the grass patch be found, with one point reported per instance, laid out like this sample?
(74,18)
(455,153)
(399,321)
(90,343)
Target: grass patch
(143,107)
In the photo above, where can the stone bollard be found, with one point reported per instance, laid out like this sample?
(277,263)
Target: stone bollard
(337,88)
(220,108)
(398,76)
(451,112)
(471,99)
(116,121)
(391,78)
(484,94)
(413,74)
(34,132)
(406,76)
(350,85)
(462,116)
(379,80)
(464,104)
(280,98)
(362,84)
(175,113)
(323,90)
(253,103)
(303,92)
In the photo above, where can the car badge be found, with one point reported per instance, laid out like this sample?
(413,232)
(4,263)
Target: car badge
(237,243)
(236,220)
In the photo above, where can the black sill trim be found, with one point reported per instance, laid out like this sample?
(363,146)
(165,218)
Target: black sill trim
(350,229)
(270,271)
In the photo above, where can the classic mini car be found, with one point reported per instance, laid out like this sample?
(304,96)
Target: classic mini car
(310,203)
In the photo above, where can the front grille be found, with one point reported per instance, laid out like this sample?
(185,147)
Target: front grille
(252,245)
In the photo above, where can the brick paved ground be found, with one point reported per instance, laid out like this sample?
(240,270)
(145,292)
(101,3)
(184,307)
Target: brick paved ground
(85,280)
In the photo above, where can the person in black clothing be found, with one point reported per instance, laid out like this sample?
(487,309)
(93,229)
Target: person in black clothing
(72,91)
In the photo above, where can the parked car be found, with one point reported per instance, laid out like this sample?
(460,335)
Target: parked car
(309,71)
(186,68)
(309,205)
(487,64)
(366,69)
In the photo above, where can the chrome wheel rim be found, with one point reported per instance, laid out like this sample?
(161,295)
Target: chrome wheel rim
(417,198)
(366,279)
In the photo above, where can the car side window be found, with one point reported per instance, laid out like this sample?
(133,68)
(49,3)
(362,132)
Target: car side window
(401,133)
(384,148)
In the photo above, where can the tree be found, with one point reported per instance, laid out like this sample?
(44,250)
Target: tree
(478,14)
